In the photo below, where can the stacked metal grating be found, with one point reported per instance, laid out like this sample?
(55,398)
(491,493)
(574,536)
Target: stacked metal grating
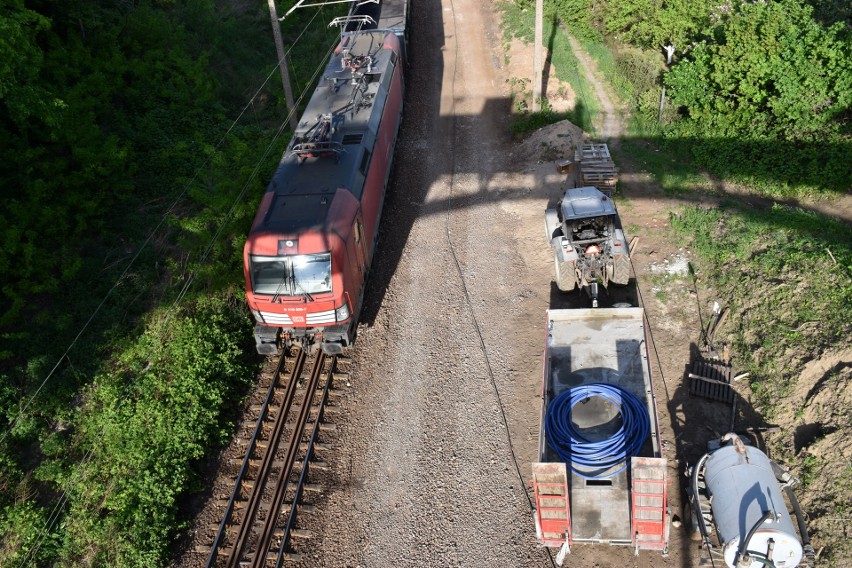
(711,378)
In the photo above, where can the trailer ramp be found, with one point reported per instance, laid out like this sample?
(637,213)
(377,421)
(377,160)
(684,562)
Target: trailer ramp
(552,509)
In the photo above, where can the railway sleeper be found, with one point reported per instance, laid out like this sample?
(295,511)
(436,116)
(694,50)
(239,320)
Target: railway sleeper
(289,556)
(301,533)
(318,465)
(337,376)
(323,426)
(245,439)
(238,504)
(287,506)
(253,462)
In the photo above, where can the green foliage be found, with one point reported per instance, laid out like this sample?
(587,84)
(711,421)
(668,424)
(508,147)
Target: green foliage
(759,92)
(654,24)
(144,425)
(769,70)
(108,112)
(673,175)
(25,543)
(833,11)
(630,71)
(582,17)
(769,166)
(810,469)
(788,275)
(21,59)
(529,122)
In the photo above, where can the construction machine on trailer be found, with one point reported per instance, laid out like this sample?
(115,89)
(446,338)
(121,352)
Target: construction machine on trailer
(588,242)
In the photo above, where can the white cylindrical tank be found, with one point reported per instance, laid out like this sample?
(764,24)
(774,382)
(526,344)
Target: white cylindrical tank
(743,488)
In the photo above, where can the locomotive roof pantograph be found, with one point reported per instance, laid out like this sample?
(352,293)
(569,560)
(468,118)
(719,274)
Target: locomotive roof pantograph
(332,143)
(378,15)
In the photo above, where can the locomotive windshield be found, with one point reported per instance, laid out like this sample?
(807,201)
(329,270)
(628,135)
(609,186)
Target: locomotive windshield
(292,275)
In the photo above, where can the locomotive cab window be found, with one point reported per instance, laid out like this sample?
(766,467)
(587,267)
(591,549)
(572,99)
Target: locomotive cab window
(312,273)
(292,275)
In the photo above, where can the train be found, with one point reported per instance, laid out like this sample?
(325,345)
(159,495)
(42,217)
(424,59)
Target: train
(312,242)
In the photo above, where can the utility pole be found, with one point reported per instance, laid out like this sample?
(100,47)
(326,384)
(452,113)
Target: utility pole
(669,52)
(537,63)
(282,64)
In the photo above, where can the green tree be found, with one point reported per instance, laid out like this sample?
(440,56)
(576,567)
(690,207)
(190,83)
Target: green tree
(769,69)
(654,24)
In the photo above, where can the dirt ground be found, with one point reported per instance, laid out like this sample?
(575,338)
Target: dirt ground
(439,422)
(437,433)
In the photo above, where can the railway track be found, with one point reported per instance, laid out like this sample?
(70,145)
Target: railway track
(260,516)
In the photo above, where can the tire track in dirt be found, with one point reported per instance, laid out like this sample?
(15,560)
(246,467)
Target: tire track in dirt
(611,123)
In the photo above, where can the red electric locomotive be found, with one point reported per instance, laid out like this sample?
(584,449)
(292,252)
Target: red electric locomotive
(312,242)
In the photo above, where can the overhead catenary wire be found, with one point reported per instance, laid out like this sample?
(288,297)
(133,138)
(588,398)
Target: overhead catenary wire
(55,514)
(151,235)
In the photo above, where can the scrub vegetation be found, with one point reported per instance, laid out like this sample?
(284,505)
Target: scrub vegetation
(135,141)
(786,275)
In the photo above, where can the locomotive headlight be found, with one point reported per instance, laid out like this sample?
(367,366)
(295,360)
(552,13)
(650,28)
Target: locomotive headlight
(342,313)
(257,315)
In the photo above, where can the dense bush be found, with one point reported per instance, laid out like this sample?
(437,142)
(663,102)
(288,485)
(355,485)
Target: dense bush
(143,426)
(759,92)
(766,99)
(769,69)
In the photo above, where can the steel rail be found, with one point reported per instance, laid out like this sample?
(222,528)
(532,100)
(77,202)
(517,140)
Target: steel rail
(256,499)
(260,557)
(220,533)
(303,475)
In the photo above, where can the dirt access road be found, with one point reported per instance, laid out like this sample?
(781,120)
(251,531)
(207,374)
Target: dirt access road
(437,431)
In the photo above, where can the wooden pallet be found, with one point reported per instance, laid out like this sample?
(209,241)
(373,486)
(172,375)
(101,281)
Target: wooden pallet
(596,166)
(592,152)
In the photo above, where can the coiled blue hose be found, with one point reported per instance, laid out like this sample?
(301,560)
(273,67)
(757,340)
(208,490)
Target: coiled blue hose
(574,448)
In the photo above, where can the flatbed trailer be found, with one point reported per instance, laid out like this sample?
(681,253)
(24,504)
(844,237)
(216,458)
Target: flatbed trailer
(620,504)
